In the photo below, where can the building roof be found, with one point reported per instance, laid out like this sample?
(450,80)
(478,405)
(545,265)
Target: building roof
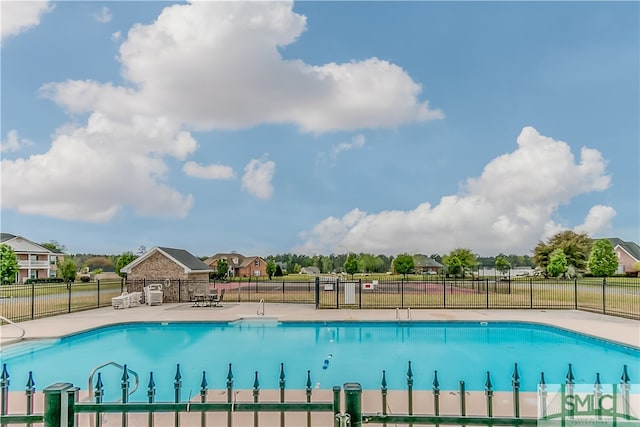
(23,245)
(310,270)
(190,263)
(631,248)
(230,257)
(422,261)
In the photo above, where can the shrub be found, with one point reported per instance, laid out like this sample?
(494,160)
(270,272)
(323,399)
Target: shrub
(44,280)
(85,279)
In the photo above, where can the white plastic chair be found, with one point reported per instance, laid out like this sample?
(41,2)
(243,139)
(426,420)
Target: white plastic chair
(153,294)
(121,301)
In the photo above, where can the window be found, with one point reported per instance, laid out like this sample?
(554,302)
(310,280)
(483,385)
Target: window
(33,274)
(52,260)
(257,263)
(52,273)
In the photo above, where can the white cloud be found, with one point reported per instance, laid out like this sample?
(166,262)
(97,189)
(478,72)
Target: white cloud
(181,75)
(181,66)
(13,143)
(91,172)
(357,141)
(257,178)
(597,222)
(103,16)
(208,172)
(508,208)
(116,37)
(19,16)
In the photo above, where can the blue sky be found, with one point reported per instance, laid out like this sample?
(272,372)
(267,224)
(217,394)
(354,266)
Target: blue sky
(319,127)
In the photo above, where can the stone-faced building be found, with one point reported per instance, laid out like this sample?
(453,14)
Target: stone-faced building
(176,269)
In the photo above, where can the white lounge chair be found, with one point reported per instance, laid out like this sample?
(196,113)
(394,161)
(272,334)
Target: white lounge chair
(153,294)
(121,301)
(135,299)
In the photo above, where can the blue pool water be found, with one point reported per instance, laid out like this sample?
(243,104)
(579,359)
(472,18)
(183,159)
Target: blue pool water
(335,353)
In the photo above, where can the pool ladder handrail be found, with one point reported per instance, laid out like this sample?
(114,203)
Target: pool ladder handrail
(260,312)
(117,365)
(22,331)
(409,317)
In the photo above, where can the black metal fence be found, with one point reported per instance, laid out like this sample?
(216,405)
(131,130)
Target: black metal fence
(619,296)
(20,302)
(62,406)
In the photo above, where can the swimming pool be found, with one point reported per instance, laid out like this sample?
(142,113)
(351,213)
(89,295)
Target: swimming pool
(334,352)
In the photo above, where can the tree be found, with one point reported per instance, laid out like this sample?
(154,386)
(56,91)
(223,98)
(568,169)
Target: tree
(351,264)
(603,261)
(9,266)
(403,264)
(271,268)
(278,272)
(576,248)
(502,265)
(557,263)
(67,270)
(123,260)
(222,268)
(54,246)
(460,260)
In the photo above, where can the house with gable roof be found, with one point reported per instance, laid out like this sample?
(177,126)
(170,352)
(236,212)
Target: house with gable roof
(239,265)
(176,269)
(426,265)
(35,261)
(628,254)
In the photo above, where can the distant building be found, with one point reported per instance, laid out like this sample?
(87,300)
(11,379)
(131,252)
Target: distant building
(425,265)
(628,254)
(239,265)
(311,271)
(35,261)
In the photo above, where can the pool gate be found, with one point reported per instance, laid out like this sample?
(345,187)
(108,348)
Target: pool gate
(63,407)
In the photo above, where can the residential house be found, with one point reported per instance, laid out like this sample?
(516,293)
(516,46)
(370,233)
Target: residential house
(35,261)
(176,269)
(239,265)
(426,265)
(311,271)
(628,254)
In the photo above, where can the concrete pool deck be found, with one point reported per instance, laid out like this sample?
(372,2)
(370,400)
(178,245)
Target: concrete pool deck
(625,331)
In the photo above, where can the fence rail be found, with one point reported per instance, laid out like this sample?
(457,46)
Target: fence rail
(62,406)
(617,296)
(20,302)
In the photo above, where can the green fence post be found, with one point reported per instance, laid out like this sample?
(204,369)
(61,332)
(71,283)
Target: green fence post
(151,394)
(230,396)
(308,393)
(256,394)
(542,392)
(488,390)
(203,398)
(99,393)
(177,386)
(436,394)
(336,405)
(383,391)
(29,392)
(410,389)
(4,390)
(353,403)
(56,403)
(124,387)
(282,385)
(515,383)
